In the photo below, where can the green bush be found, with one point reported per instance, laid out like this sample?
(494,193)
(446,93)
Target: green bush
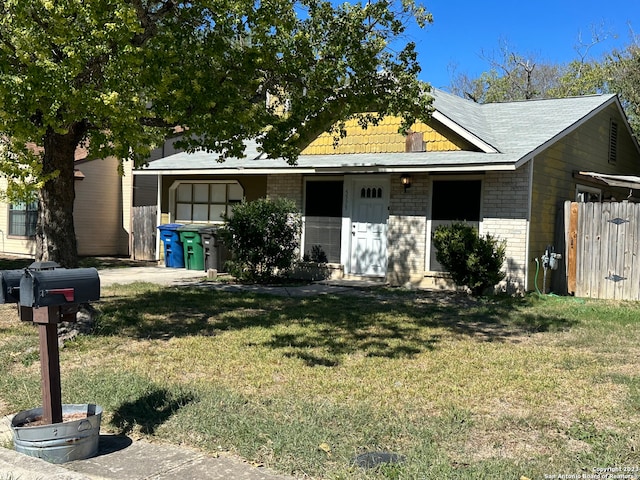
(473,261)
(263,238)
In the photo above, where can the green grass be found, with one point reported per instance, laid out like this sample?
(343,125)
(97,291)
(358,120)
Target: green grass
(459,388)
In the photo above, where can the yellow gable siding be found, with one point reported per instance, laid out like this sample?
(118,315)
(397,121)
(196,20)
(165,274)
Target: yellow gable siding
(383,138)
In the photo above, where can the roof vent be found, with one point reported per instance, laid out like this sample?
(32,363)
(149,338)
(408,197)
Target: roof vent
(613,142)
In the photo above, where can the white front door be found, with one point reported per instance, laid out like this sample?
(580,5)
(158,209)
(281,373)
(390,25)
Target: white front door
(369,218)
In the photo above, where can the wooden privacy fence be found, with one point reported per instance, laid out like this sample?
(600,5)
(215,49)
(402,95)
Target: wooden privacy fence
(144,232)
(603,250)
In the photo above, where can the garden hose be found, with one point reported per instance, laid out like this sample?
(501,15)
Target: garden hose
(536,278)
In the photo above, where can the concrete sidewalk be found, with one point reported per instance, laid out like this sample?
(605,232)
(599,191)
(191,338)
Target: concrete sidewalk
(120,458)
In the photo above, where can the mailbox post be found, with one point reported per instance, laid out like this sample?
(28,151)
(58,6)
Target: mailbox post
(48,295)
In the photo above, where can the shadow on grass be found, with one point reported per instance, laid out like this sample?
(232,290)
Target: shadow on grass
(14,263)
(319,330)
(148,412)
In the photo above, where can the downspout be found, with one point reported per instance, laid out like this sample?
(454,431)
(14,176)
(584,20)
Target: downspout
(528,230)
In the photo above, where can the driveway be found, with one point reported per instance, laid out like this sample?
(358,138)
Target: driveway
(151,274)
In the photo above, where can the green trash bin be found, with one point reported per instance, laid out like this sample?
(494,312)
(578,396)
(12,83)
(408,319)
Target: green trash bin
(192,246)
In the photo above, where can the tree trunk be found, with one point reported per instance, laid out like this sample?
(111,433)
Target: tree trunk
(55,233)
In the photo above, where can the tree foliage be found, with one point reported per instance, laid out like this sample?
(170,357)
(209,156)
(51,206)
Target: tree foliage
(117,76)
(513,76)
(473,261)
(622,75)
(263,237)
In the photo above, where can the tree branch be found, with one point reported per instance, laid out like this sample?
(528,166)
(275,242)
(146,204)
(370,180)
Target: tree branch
(149,20)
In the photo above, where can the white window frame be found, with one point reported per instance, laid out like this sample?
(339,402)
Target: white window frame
(228,202)
(584,191)
(28,213)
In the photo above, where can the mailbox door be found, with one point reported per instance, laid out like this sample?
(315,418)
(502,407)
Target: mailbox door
(10,285)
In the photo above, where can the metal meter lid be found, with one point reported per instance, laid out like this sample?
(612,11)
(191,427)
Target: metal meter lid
(38,266)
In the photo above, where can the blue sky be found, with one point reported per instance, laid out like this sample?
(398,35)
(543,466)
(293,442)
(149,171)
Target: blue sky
(547,30)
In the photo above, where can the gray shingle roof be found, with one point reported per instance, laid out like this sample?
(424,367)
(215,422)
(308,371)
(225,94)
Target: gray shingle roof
(516,130)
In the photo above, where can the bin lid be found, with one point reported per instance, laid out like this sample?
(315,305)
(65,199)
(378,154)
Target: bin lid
(210,228)
(199,227)
(189,227)
(170,226)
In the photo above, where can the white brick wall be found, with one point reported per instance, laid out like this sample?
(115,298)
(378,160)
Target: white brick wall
(406,238)
(286,186)
(505,210)
(505,216)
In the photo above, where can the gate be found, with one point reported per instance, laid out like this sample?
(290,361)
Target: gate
(603,250)
(144,232)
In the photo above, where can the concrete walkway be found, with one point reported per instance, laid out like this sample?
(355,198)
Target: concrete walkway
(181,276)
(120,458)
(158,275)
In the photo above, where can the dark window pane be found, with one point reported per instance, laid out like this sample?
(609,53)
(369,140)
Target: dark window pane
(23,218)
(456,200)
(323,199)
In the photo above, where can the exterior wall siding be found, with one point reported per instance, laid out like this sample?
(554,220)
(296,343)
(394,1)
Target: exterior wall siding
(101,212)
(126,186)
(19,246)
(585,149)
(384,138)
(98,209)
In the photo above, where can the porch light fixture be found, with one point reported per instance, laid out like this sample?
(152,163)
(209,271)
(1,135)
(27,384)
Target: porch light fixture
(405,180)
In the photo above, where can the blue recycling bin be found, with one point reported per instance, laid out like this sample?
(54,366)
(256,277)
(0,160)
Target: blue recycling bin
(173,250)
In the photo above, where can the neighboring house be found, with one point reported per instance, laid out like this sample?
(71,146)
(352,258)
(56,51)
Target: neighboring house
(102,210)
(373,202)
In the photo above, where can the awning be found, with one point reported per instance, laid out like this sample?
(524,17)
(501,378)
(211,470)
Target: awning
(624,181)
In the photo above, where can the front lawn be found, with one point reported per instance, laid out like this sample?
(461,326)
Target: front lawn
(456,387)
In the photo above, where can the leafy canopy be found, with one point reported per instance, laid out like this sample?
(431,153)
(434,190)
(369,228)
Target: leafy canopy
(120,75)
(513,76)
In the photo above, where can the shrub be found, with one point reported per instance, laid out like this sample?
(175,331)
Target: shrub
(263,238)
(317,255)
(472,261)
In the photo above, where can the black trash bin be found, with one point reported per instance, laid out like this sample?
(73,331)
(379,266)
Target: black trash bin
(173,251)
(215,253)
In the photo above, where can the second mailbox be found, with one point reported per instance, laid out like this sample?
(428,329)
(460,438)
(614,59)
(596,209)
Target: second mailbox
(10,285)
(59,286)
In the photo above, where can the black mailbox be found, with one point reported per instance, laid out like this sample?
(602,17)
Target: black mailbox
(59,286)
(10,285)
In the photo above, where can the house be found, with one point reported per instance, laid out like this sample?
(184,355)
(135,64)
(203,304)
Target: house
(102,210)
(373,202)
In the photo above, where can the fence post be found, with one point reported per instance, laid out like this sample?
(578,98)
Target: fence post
(572,246)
